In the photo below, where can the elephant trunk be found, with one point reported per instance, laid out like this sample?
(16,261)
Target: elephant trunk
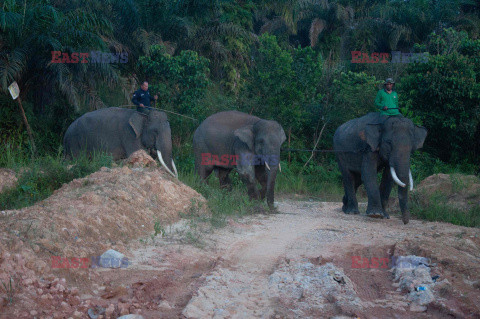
(271,177)
(401,171)
(163,147)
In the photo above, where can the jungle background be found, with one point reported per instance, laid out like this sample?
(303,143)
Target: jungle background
(286,60)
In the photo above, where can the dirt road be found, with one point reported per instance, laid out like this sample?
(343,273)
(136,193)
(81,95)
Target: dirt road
(298,264)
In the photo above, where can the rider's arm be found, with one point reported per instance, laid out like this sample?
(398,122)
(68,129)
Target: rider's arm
(135,99)
(378,100)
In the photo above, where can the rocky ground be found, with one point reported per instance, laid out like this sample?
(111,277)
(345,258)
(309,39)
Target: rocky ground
(308,261)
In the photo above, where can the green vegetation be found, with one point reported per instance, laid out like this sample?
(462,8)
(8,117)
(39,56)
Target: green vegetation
(10,289)
(42,176)
(439,210)
(282,60)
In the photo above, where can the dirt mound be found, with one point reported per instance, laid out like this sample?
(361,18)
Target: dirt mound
(84,218)
(456,190)
(7,178)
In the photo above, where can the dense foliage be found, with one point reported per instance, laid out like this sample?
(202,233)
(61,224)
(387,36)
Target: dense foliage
(283,60)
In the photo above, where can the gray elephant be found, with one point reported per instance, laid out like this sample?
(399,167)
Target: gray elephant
(372,143)
(234,139)
(120,132)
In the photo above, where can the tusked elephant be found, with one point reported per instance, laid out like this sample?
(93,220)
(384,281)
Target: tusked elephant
(372,143)
(232,139)
(120,132)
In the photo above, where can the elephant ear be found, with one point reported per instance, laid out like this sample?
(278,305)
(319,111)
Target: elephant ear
(419,134)
(136,121)
(283,137)
(245,134)
(371,135)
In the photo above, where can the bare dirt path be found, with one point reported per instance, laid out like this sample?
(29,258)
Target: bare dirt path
(298,264)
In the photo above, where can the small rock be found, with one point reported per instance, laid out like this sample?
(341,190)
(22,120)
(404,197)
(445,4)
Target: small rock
(27,282)
(111,259)
(110,310)
(417,308)
(33,313)
(97,313)
(131,317)
(164,304)
(124,308)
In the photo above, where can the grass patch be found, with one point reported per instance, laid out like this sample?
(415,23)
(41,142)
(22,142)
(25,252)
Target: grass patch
(423,165)
(221,202)
(42,176)
(439,210)
(321,182)
(10,288)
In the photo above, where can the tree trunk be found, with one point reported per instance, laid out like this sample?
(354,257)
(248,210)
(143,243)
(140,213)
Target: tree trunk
(29,131)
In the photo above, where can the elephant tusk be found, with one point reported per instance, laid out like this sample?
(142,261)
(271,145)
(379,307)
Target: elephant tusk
(174,169)
(163,163)
(410,179)
(395,178)
(279,167)
(266,164)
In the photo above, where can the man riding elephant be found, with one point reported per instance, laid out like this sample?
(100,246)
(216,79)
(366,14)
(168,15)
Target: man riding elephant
(387,99)
(142,98)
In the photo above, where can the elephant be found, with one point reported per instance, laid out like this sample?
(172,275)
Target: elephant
(371,143)
(244,141)
(120,132)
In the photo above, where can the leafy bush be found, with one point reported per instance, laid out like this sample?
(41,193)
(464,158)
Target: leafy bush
(438,210)
(282,83)
(444,94)
(180,81)
(44,175)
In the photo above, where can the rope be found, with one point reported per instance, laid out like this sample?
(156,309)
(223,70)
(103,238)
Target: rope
(284,150)
(318,151)
(156,108)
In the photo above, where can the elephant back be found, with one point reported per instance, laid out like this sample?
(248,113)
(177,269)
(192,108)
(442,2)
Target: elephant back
(348,136)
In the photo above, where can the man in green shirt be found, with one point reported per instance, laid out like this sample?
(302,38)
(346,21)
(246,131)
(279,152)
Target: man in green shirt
(387,99)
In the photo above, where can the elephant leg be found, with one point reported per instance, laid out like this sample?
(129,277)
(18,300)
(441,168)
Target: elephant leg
(204,171)
(369,179)
(350,204)
(225,181)
(261,176)
(386,189)
(357,181)
(403,200)
(252,190)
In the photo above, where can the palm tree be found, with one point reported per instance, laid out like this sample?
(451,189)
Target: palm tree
(30,31)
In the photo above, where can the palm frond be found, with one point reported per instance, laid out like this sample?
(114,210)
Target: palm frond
(12,65)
